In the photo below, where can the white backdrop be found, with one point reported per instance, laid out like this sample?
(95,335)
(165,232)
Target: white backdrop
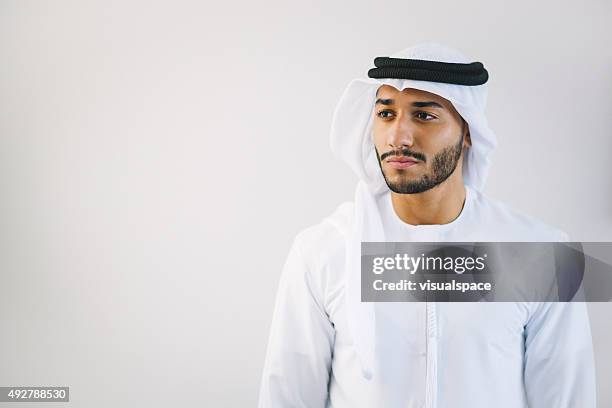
(157,159)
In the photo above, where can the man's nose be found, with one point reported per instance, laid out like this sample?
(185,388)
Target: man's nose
(400,133)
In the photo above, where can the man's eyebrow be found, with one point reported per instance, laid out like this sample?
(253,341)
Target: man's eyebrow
(429,104)
(384,101)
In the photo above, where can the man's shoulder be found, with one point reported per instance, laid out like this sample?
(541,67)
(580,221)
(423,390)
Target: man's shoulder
(319,242)
(515,224)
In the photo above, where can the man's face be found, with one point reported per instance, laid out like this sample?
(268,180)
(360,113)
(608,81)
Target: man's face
(419,138)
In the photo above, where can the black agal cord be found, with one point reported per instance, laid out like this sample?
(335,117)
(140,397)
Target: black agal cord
(434,71)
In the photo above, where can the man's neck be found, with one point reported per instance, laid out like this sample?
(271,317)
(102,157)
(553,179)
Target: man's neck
(439,205)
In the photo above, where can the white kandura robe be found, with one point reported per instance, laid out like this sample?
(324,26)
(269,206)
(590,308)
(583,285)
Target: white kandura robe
(433,355)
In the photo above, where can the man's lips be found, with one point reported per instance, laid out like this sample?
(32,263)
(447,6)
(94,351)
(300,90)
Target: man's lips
(401,162)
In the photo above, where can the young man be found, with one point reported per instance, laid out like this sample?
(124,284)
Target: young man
(416,135)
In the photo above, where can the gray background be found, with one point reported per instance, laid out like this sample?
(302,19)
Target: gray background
(157,159)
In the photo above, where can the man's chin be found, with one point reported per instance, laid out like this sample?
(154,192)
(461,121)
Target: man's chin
(399,182)
(403,188)
(410,185)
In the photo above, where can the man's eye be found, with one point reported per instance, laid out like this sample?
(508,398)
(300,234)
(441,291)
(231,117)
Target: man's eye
(385,114)
(424,116)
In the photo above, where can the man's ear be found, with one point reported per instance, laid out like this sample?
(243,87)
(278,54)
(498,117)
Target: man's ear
(467,137)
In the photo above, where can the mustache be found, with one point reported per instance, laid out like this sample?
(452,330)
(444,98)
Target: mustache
(403,152)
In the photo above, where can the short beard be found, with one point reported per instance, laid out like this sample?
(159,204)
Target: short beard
(443,165)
